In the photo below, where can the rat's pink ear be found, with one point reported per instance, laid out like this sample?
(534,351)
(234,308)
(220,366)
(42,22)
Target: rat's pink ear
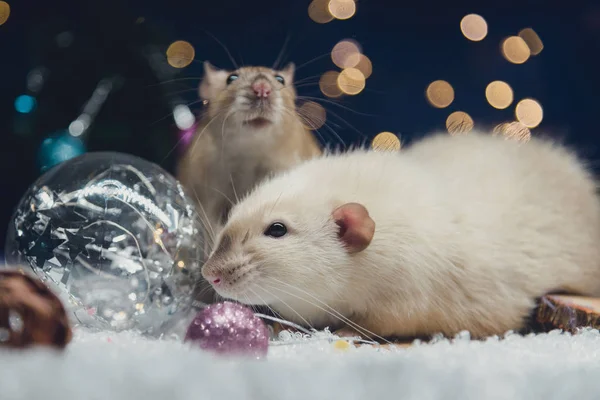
(288,72)
(356,226)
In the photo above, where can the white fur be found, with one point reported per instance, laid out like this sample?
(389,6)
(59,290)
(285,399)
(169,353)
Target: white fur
(469,231)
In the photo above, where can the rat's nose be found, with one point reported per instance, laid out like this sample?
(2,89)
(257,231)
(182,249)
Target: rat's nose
(212,278)
(261,89)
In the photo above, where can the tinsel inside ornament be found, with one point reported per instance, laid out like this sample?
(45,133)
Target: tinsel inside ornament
(229,329)
(115,237)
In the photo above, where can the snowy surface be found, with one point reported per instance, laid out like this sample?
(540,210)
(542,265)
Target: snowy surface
(125,366)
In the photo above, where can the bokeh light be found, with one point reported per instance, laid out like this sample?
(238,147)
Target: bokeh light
(474,27)
(515,50)
(80,125)
(365,66)
(386,141)
(180,54)
(25,104)
(499,94)
(459,122)
(342,9)
(513,130)
(313,115)
(4,12)
(529,112)
(183,116)
(329,84)
(318,11)
(532,40)
(59,148)
(351,81)
(346,54)
(440,94)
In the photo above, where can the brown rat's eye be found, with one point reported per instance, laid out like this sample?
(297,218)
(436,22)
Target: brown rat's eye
(280,79)
(276,230)
(232,78)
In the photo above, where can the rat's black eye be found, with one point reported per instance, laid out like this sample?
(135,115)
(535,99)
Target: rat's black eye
(276,230)
(280,79)
(232,78)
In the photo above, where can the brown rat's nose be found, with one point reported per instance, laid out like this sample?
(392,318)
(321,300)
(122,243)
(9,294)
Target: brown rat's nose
(262,89)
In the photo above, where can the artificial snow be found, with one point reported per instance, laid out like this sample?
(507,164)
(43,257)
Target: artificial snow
(125,366)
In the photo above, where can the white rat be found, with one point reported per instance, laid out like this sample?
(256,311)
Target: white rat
(453,233)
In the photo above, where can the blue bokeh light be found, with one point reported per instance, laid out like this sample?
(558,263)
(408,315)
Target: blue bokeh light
(58,148)
(25,103)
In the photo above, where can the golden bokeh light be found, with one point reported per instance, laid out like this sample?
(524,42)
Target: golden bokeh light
(499,94)
(386,141)
(318,11)
(515,50)
(346,54)
(351,81)
(532,40)
(329,84)
(342,9)
(529,112)
(440,94)
(365,66)
(474,27)
(513,130)
(459,122)
(312,114)
(4,12)
(180,54)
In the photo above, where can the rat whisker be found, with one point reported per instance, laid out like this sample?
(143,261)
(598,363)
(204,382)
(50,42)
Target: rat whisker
(280,55)
(207,226)
(306,118)
(284,303)
(171,113)
(237,199)
(336,104)
(224,48)
(313,60)
(175,80)
(331,310)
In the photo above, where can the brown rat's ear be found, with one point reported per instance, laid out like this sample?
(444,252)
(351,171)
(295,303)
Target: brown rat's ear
(356,226)
(288,72)
(213,81)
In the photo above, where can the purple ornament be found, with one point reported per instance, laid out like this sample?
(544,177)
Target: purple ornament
(229,328)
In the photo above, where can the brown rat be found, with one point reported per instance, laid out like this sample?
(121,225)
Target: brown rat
(453,233)
(250,129)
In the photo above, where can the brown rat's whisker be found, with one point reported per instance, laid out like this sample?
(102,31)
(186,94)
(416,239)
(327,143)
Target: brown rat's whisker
(224,48)
(310,123)
(280,55)
(313,60)
(237,199)
(182,91)
(199,134)
(207,225)
(171,113)
(336,104)
(332,311)
(339,117)
(175,80)
(222,194)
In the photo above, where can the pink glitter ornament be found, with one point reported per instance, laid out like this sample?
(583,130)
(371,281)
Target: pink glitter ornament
(230,329)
